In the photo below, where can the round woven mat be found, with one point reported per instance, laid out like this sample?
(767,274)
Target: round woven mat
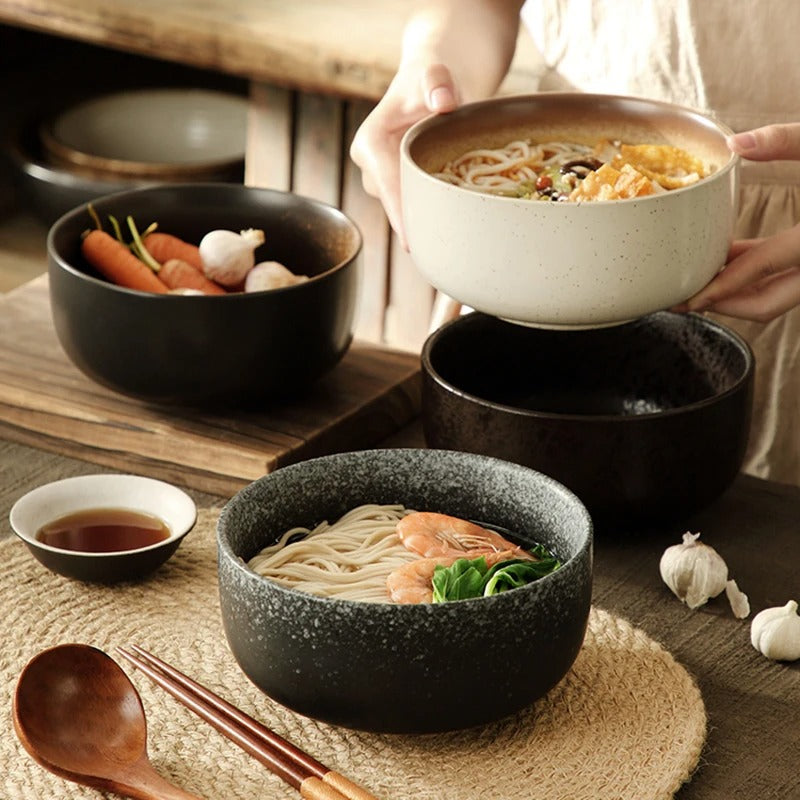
(626,722)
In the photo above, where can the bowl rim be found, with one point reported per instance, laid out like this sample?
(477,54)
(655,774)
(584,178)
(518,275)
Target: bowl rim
(590,98)
(56,258)
(721,330)
(334,604)
(72,153)
(31,498)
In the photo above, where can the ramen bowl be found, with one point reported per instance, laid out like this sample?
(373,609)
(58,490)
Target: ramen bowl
(88,493)
(406,668)
(646,422)
(240,349)
(567,264)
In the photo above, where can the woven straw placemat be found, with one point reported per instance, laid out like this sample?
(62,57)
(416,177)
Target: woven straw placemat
(627,722)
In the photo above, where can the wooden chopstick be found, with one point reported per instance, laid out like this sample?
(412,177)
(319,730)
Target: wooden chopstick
(310,777)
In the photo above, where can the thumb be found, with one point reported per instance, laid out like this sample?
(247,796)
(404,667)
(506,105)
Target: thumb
(772,142)
(438,89)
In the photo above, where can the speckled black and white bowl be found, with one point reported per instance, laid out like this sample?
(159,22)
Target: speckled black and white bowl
(403,668)
(567,265)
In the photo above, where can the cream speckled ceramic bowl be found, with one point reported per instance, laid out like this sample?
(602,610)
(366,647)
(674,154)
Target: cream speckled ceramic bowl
(567,265)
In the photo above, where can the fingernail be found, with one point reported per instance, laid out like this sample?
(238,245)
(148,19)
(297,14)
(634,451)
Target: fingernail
(743,141)
(441,99)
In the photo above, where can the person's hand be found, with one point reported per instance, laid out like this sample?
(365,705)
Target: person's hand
(413,94)
(453,52)
(761,279)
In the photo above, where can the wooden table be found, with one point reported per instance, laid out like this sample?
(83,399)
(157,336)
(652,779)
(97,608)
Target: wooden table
(752,703)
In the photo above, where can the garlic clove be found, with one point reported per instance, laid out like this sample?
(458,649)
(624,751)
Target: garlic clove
(775,632)
(693,570)
(739,603)
(271,275)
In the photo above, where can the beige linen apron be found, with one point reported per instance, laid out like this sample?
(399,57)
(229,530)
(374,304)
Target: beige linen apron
(737,60)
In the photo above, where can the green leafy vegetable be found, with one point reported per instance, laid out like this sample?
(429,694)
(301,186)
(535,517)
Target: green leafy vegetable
(467,578)
(464,578)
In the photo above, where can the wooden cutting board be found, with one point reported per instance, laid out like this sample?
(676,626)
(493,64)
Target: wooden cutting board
(48,403)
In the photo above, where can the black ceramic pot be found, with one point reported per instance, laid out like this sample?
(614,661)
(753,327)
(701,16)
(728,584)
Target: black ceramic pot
(646,422)
(239,349)
(406,668)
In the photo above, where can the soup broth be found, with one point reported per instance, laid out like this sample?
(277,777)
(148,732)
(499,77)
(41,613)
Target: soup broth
(104,530)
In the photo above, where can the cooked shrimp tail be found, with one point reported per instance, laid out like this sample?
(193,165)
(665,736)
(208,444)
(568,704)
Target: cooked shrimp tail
(413,582)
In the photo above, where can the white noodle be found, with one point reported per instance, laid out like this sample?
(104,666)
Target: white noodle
(349,559)
(503,169)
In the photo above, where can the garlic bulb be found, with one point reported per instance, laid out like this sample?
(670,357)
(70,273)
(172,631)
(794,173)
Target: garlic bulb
(228,256)
(775,632)
(694,571)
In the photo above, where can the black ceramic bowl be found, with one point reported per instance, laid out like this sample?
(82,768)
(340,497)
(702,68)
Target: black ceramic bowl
(204,350)
(646,422)
(406,668)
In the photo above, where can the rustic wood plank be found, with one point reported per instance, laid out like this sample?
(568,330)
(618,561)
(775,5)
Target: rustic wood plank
(268,161)
(410,306)
(318,147)
(368,214)
(350,47)
(47,402)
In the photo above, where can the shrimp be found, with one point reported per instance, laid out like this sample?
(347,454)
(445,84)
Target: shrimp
(413,582)
(430,535)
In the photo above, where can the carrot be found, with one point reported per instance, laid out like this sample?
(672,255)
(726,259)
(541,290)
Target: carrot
(114,261)
(179,274)
(164,246)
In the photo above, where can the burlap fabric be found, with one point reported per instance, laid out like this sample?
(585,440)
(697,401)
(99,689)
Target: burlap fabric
(627,723)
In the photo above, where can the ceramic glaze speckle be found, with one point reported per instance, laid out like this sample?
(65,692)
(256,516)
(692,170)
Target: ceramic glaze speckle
(646,422)
(567,265)
(396,668)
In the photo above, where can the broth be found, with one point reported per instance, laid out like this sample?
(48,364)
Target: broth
(104,530)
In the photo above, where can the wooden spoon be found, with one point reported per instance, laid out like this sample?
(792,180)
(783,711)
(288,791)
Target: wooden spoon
(78,715)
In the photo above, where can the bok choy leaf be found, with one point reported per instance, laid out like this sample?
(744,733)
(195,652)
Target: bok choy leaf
(468,578)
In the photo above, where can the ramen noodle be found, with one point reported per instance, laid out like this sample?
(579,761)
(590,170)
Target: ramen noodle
(386,553)
(349,559)
(565,171)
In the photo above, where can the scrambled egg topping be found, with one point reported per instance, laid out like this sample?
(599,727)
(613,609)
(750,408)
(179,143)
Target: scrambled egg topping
(638,170)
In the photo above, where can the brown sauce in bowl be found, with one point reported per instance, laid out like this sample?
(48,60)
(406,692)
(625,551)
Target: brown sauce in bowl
(103,530)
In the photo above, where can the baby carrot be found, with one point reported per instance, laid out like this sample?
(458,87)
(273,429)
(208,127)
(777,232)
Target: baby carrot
(178,274)
(164,246)
(114,261)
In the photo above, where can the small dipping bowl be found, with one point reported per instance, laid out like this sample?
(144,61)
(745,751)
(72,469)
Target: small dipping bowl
(59,499)
(646,422)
